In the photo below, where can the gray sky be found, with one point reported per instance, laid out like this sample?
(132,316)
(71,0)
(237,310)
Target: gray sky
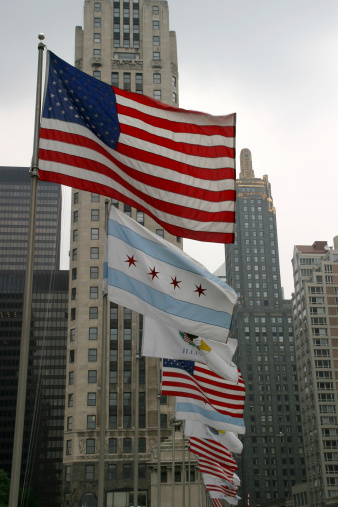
(273,62)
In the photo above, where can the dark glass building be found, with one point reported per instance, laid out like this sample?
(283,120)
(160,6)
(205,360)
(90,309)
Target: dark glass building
(273,459)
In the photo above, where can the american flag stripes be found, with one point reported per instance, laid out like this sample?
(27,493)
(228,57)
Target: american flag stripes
(196,380)
(177,166)
(213,451)
(211,467)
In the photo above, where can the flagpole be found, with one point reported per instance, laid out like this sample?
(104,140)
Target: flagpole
(173,455)
(137,403)
(189,481)
(103,398)
(183,465)
(159,434)
(27,304)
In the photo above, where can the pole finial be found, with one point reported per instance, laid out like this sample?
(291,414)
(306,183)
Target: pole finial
(41,36)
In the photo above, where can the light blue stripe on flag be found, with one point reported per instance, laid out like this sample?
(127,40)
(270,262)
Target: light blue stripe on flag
(161,252)
(167,303)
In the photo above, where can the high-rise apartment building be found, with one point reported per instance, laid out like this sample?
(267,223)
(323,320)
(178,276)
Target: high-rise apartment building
(315,314)
(14,217)
(272,460)
(44,422)
(127,44)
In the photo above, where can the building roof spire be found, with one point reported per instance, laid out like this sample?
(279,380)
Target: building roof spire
(247,172)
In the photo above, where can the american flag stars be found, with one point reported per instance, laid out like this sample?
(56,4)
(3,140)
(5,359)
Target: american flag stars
(154,274)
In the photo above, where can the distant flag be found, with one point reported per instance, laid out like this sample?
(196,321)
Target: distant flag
(196,381)
(223,366)
(196,410)
(200,430)
(162,341)
(152,276)
(213,451)
(177,166)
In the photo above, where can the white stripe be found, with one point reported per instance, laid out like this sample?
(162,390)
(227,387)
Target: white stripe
(179,137)
(179,116)
(176,156)
(129,300)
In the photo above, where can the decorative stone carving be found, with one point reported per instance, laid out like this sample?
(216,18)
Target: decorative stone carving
(79,63)
(127,65)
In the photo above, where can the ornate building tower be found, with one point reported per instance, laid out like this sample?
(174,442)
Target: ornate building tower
(127,44)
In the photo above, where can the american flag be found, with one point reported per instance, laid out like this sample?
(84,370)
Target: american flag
(222,489)
(195,380)
(212,468)
(177,166)
(213,451)
(216,502)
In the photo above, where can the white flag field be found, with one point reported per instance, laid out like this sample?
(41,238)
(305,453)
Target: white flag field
(149,275)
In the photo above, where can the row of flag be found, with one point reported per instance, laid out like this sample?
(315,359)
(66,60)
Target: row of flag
(177,166)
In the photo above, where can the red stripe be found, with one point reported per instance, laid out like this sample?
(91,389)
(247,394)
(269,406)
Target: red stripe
(181,147)
(166,207)
(191,171)
(148,101)
(211,455)
(90,186)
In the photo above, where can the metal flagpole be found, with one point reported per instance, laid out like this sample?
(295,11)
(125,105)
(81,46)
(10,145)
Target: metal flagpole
(159,434)
(103,400)
(27,304)
(173,455)
(189,482)
(183,466)
(137,402)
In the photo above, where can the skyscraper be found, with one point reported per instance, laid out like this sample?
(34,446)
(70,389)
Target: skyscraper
(14,216)
(272,459)
(315,308)
(43,432)
(127,44)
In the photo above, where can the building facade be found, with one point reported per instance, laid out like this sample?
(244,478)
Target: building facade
(272,460)
(315,308)
(127,44)
(14,216)
(44,423)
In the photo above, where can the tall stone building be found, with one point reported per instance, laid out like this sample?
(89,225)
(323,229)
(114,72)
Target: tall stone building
(315,309)
(127,44)
(44,422)
(272,460)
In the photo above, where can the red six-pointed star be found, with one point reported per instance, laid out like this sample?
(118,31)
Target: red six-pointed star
(153,273)
(200,290)
(131,260)
(175,282)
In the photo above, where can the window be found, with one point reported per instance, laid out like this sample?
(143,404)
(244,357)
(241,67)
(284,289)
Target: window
(94,252)
(112,446)
(94,272)
(140,217)
(89,472)
(91,422)
(156,55)
(73,294)
(71,356)
(71,378)
(160,232)
(75,216)
(156,24)
(95,215)
(72,335)
(177,475)
(142,445)
(156,10)
(163,421)
(142,470)
(94,234)
(127,471)
(175,97)
(157,94)
(115,79)
(93,312)
(97,74)
(76,197)
(97,37)
(90,446)
(92,376)
(70,400)
(69,423)
(127,410)
(92,355)
(97,53)
(139,83)
(157,78)
(127,209)
(74,254)
(112,471)
(93,333)
(97,7)
(127,445)
(93,292)
(97,22)
(173,81)
(68,447)
(127,81)
(75,234)
(91,399)
(73,314)
(164,476)
(68,469)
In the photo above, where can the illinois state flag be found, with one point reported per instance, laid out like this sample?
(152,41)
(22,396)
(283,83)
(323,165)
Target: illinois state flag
(151,276)
(177,166)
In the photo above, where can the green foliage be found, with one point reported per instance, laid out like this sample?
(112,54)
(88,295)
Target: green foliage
(30,499)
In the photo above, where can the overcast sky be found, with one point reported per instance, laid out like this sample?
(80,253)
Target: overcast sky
(273,62)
